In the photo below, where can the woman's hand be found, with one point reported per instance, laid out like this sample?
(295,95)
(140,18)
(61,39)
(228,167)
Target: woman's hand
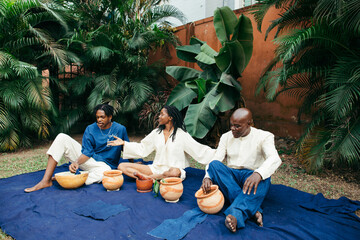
(117,142)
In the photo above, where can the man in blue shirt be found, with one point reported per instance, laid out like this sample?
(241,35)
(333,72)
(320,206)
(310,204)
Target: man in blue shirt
(94,155)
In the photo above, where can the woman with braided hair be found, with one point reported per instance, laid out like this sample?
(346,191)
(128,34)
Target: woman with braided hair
(172,145)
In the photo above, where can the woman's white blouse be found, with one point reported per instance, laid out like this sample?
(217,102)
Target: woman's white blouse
(173,153)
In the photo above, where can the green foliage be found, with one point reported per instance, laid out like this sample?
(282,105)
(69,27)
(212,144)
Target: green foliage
(317,61)
(114,41)
(148,116)
(25,44)
(216,88)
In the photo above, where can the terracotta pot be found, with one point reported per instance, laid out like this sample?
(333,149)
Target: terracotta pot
(211,202)
(69,180)
(171,189)
(113,180)
(144,185)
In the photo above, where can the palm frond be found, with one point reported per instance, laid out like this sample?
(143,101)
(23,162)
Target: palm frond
(344,85)
(346,141)
(350,17)
(326,10)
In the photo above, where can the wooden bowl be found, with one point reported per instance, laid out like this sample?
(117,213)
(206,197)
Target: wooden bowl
(69,180)
(211,202)
(144,185)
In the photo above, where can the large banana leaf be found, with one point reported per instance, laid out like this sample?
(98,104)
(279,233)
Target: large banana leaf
(181,96)
(188,52)
(244,34)
(231,58)
(230,81)
(182,73)
(194,40)
(225,98)
(201,86)
(225,21)
(200,118)
(206,55)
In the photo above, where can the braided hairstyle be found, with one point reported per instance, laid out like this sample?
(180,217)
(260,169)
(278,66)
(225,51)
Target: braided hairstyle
(177,120)
(108,109)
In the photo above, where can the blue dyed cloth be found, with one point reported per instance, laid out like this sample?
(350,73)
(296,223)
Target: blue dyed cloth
(331,206)
(100,210)
(49,213)
(174,229)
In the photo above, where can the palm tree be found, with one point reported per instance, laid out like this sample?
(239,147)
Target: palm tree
(25,44)
(318,61)
(114,48)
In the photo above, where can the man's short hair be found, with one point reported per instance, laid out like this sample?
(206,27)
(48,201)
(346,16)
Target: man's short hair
(108,109)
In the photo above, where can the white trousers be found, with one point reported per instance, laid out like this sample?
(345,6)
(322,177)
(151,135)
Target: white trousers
(66,146)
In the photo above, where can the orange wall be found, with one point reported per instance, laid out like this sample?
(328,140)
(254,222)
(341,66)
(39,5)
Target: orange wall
(278,117)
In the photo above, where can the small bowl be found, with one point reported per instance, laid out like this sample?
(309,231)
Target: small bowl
(144,186)
(171,189)
(113,180)
(69,180)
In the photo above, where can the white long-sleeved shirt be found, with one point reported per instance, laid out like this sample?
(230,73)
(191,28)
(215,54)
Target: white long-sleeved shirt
(172,153)
(256,151)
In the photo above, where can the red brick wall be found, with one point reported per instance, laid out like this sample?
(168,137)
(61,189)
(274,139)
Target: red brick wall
(278,117)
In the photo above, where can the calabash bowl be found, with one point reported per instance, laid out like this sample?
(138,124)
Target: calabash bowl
(70,180)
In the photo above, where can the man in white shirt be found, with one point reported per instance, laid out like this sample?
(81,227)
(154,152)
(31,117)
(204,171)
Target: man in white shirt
(251,160)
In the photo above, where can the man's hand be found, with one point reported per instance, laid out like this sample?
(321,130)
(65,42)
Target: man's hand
(73,167)
(117,142)
(206,185)
(252,182)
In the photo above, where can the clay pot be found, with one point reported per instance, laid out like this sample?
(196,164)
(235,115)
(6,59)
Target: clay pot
(69,180)
(144,185)
(171,189)
(211,202)
(113,180)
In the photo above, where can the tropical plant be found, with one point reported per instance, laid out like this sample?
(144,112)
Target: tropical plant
(317,61)
(25,44)
(150,111)
(115,47)
(215,89)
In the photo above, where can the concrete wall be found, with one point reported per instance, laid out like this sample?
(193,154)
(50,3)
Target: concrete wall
(279,116)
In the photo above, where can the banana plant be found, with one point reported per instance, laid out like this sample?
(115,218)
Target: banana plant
(215,89)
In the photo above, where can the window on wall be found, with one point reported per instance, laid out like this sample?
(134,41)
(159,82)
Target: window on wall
(249,2)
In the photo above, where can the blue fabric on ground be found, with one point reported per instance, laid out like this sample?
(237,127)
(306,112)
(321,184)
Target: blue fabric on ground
(331,206)
(48,213)
(174,229)
(99,210)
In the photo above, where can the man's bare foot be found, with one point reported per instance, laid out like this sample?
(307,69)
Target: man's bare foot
(259,219)
(40,185)
(231,223)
